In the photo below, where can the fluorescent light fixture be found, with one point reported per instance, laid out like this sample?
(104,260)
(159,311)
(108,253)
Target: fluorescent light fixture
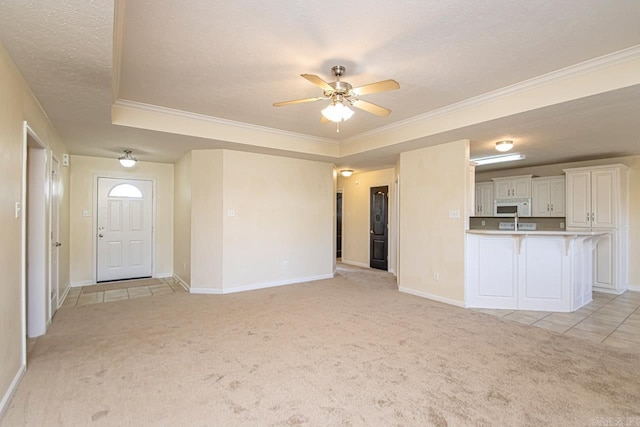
(346,173)
(505,145)
(498,159)
(337,112)
(128,161)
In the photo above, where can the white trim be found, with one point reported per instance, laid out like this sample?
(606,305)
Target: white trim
(135,105)
(6,399)
(81,283)
(162,275)
(205,291)
(594,64)
(432,297)
(635,288)
(64,297)
(355,263)
(181,282)
(609,291)
(232,290)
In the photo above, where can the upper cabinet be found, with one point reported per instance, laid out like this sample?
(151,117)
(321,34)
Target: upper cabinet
(513,187)
(596,196)
(548,196)
(484,199)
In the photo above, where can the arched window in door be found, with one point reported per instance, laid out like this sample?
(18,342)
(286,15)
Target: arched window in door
(126,190)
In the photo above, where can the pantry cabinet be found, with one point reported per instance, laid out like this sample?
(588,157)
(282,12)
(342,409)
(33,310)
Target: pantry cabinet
(484,199)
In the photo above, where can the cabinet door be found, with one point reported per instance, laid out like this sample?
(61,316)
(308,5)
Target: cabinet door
(578,199)
(604,262)
(540,197)
(521,188)
(557,200)
(486,198)
(502,189)
(603,189)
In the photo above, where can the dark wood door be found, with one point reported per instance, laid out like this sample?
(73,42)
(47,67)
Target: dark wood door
(378,230)
(339,225)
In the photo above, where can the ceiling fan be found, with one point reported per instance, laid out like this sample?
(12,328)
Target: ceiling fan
(342,96)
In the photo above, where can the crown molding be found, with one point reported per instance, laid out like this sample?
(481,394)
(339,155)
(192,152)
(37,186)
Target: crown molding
(618,57)
(135,105)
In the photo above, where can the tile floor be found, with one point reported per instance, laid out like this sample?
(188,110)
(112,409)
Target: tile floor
(77,298)
(609,319)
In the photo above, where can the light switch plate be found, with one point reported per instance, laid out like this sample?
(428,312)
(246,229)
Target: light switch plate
(454,213)
(86,212)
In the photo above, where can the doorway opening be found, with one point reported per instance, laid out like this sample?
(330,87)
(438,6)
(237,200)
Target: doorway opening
(379,228)
(124,245)
(339,225)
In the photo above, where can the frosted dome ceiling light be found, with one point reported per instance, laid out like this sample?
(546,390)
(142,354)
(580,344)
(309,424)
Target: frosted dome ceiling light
(505,145)
(128,161)
(346,173)
(337,112)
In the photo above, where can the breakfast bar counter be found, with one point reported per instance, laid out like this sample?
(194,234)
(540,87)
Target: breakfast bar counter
(529,270)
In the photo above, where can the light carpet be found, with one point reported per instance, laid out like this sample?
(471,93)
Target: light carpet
(346,351)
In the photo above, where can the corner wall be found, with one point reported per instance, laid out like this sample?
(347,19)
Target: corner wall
(84,169)
(433,182)
(182,220)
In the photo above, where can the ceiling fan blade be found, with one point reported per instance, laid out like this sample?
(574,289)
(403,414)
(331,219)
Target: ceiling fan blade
(324,120)
(370,107)
(298,101)
(317,81)
(382,86)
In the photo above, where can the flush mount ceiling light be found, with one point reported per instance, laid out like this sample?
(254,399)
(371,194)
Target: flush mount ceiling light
(128,161)
(505,145)
(498,159)
(346,173)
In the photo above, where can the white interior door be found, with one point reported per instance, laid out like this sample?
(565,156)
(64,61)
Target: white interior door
(55,243)
(124,234)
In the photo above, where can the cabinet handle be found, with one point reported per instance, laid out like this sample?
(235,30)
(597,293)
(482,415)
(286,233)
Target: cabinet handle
(547,207)
(552,207)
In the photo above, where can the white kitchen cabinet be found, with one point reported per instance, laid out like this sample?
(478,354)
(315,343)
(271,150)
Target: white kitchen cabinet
(513,187)
(597,200)
(548,196)
(593,197)
(484,199)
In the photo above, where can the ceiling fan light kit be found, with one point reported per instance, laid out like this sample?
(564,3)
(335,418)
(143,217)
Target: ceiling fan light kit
(343,95)
(505,145)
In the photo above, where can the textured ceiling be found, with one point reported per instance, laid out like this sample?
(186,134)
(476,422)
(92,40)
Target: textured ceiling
(232,60)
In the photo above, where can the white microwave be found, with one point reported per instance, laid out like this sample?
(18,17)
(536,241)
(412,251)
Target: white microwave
(509,207)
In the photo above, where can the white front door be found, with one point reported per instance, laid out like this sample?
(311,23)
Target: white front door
(124,233)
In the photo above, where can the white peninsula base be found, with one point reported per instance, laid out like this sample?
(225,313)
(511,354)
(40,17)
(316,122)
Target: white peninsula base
(538,270)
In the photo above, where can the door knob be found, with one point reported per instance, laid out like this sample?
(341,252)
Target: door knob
(100,235)
(58,244)
(371,231)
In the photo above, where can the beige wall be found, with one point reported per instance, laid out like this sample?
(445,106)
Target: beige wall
(206,219)
(18,104)
(634,197)
(84,171)
(282,231)
(433,181)
(355,215)
(182,220)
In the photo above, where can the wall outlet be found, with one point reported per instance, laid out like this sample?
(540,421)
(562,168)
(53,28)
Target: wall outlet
(454,213)
(231,212)
(562,225)
(484,222)
(436,276)
(86,212)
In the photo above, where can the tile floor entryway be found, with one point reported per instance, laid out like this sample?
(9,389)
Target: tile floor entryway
(85,295)
(610,319)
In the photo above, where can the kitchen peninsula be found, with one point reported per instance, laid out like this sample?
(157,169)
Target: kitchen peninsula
(530,270)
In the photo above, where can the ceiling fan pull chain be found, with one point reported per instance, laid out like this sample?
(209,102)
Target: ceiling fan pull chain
(337,127)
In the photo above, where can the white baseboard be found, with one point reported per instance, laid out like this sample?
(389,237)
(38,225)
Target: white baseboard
(6,399)
(231,290)
(181,282)
(609,291)
(635,288)
(64,296)
(205,291)
(163,275)
(356,263)
(432,297)
(82,283)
